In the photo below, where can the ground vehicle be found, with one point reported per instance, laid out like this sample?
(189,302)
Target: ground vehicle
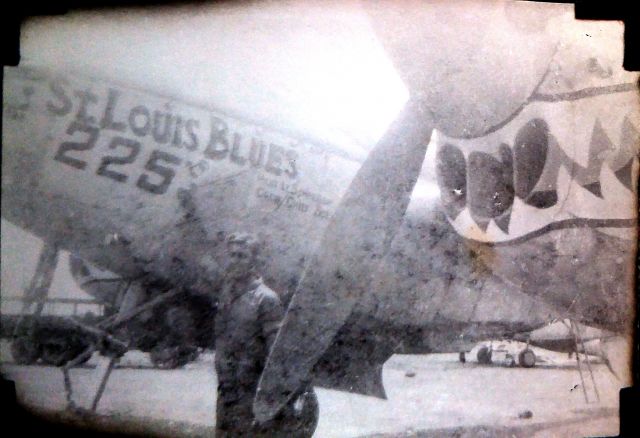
(58,334)
(50,338)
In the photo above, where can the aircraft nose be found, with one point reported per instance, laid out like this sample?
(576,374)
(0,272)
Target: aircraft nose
(455,78)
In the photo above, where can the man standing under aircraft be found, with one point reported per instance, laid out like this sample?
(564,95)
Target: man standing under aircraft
(247,320)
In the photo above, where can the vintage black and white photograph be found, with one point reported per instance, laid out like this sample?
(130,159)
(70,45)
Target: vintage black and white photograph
(331,219)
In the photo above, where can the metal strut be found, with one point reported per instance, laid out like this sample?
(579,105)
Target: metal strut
(103,340)
(38,289)
(575,329)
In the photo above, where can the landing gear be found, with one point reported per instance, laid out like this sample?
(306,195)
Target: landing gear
(484,355)
(109,346)
(25,347)
(527,358)
(509,361)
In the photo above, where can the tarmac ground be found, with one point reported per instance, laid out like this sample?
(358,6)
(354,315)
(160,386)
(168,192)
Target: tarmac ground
(428,396)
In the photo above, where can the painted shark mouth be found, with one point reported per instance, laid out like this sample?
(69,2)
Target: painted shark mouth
(567,160)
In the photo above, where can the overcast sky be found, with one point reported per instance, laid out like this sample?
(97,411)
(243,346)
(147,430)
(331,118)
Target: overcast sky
(300,67)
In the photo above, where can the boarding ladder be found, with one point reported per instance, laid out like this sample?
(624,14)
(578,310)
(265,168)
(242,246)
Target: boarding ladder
(575,330)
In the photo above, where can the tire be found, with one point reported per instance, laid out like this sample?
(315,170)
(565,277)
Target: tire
(180,321)
(527,358)
(60,348)
(25,351)
(55,353)
(484,355)
(462,357)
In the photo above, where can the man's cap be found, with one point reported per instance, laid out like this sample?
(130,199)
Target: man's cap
(241,238)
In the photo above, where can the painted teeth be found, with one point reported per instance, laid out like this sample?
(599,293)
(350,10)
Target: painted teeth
(593,171)
(574,201)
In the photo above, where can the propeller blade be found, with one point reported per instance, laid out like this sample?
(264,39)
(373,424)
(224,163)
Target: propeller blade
(465,87)
(356,239)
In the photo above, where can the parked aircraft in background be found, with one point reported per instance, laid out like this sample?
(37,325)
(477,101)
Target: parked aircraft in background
(563,336)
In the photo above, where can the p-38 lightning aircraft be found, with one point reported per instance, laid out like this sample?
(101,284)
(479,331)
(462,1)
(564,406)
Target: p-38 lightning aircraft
(522,211)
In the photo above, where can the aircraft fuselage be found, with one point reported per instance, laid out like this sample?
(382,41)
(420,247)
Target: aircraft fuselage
(145,185)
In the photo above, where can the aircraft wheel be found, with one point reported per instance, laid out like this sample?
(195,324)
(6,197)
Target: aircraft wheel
(527,358)
(59,350)
(25,351)
(54,353)
(484,355)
